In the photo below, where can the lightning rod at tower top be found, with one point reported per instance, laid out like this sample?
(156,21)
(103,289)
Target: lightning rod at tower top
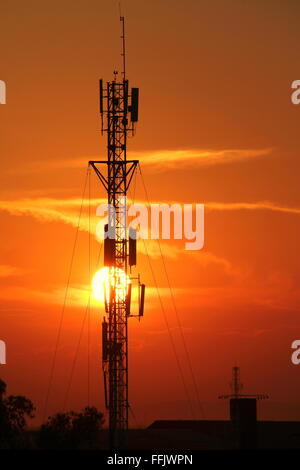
(119,115)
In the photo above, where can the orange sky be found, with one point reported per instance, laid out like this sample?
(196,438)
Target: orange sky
(217,126)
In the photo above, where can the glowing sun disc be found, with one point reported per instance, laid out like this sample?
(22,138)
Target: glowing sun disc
(102,280)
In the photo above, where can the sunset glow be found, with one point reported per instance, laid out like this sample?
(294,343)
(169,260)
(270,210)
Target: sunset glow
(105,278)
(216,127)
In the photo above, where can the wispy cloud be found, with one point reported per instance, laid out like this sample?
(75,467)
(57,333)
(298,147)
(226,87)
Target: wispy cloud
(77,295)
(8,271)
(159,159)
(251,206)
(204,258)
(166,159)
(49,210)
(67,210)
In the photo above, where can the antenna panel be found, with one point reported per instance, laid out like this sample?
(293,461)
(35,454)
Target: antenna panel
(109,249)
(134,104)
(104,341)
(101,95)
(128,300)
(132,246)
(142,300)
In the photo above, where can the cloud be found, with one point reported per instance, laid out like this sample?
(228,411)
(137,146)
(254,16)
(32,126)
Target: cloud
(66,211)
(160,160)
(205,258)
(154,250)
(173,329)
(77,296)
(8,271)
(166,159)
(250,206)
(49,210)
(39,166)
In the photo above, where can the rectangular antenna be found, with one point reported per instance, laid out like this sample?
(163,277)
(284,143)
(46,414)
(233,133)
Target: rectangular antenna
(125,97)
(142,300)
(128,300)
(132,246)
(109,249)
(101,102)
(105,298)
(134,104)
(101,95)
(104,340)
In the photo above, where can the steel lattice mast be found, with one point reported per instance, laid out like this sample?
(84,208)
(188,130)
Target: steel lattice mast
(119,248)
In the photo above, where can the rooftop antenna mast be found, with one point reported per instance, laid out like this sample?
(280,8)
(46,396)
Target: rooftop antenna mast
(236,387)
(119,113)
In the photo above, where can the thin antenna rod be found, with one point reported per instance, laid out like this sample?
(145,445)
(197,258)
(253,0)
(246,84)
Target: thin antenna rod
(123,54)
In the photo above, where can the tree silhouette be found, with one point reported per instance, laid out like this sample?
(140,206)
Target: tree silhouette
(72,430)
(14,410)
(2,389)
(18,408)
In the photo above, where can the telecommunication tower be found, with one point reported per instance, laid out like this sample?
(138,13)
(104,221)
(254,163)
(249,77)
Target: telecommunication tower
(119,114)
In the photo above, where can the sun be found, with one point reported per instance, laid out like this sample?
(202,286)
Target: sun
(100,279)
(106,277)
